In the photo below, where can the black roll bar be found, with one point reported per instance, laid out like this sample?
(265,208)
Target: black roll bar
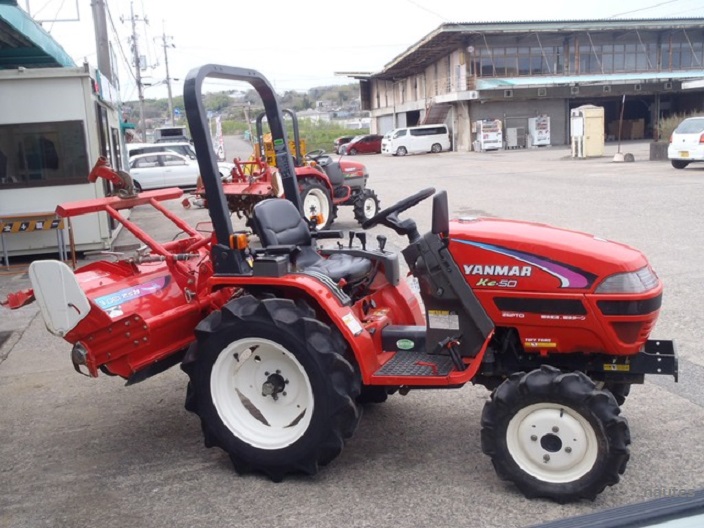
(225,259)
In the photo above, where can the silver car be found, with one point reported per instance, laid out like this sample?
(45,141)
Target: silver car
(168,169)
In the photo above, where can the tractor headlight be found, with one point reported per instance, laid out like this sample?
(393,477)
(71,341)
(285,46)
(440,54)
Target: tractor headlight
(639,281)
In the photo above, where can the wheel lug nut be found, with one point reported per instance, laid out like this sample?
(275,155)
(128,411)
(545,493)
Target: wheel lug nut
(546,458)
(534,438)
(284,394)
(266,373)
(568,449)
(555,429)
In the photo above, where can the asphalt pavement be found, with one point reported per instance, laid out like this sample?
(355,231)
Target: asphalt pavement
(80,452)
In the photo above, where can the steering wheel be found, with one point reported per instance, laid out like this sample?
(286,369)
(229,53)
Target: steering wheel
(315,153)
(389,216)
(319,157)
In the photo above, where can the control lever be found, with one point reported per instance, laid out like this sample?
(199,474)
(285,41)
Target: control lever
(352,235)
(381,239)
(362,236)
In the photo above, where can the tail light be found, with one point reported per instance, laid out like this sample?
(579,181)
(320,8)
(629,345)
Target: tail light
(674,134)
(701,139)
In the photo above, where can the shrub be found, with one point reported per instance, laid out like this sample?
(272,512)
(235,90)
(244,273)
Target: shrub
(667,125)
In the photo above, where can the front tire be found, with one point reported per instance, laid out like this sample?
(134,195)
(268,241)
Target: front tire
(679,164)
(401,151)
(316,201)
(353,152)
(555,435)
(366,206)
(271,387)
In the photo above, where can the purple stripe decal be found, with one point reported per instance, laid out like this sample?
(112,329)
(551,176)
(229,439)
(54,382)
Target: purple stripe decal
(568,277)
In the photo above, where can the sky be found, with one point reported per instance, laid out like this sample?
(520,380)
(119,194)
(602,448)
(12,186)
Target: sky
(298,44)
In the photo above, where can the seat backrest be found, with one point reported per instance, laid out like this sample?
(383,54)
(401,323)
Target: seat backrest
(335,174)
(441,215)
(278,222)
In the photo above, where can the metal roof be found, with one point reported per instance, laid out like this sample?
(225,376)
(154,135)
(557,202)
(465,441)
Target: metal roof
(24,43)
(451,36)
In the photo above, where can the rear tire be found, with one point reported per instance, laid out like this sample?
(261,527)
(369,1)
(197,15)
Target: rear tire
(401,151)
(436,148)
(366,206)
(372,394)
(137,186)
(679,164)
(315,199)
(620,391)
(271,387)
(555,435)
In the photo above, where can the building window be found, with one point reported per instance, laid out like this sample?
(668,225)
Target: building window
(42,154)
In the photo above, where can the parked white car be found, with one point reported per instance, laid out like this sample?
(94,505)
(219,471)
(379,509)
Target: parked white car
(168,169)
(687,143)
(183,148)
(416,140)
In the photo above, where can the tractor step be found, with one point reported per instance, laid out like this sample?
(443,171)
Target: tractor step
(416,364)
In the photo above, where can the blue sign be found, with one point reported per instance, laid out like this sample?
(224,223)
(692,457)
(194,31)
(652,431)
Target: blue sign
(177,111)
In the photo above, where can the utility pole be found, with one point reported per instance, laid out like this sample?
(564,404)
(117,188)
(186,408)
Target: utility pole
(166,42)
(138,68)
(102,44)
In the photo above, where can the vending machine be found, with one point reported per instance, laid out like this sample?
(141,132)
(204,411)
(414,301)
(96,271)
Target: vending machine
(489,134)
(539,130)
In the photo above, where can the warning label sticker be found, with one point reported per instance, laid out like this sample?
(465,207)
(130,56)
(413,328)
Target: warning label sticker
(444,319)
(353,324)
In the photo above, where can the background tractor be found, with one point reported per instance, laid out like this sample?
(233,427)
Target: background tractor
(323,183)
(283,343)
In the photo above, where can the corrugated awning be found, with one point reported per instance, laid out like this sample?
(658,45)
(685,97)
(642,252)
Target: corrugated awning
(24,43)
(492,83)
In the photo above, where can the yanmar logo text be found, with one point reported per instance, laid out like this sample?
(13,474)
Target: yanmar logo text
(498,271)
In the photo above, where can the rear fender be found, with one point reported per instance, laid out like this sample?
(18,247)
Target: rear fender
(334,308)
(310,172)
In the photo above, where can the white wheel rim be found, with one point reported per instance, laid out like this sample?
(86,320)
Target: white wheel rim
(369,207)
(316,202)
(552,442)
(237,381)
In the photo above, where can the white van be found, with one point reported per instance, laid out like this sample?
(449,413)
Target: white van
(412,140)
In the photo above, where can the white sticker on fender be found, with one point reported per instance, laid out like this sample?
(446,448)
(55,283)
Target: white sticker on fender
(353,324)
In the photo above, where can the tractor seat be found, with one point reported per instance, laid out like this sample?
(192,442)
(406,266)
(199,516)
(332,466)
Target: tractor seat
(277,222)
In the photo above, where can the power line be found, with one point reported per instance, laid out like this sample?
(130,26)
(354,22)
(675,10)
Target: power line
(423,8)
(644,8)
(119,44)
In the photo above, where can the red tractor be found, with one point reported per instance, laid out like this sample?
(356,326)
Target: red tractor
(323,183)
(283,343)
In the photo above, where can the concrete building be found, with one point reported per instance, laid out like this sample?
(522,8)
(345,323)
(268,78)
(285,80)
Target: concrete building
(513,71)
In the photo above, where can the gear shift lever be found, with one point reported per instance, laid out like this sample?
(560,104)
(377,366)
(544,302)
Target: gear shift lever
(381,239)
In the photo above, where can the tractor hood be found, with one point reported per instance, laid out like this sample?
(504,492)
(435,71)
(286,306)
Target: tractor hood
(536,257)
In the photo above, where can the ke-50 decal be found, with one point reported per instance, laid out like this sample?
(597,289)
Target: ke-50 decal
(493,283)
(569,276)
